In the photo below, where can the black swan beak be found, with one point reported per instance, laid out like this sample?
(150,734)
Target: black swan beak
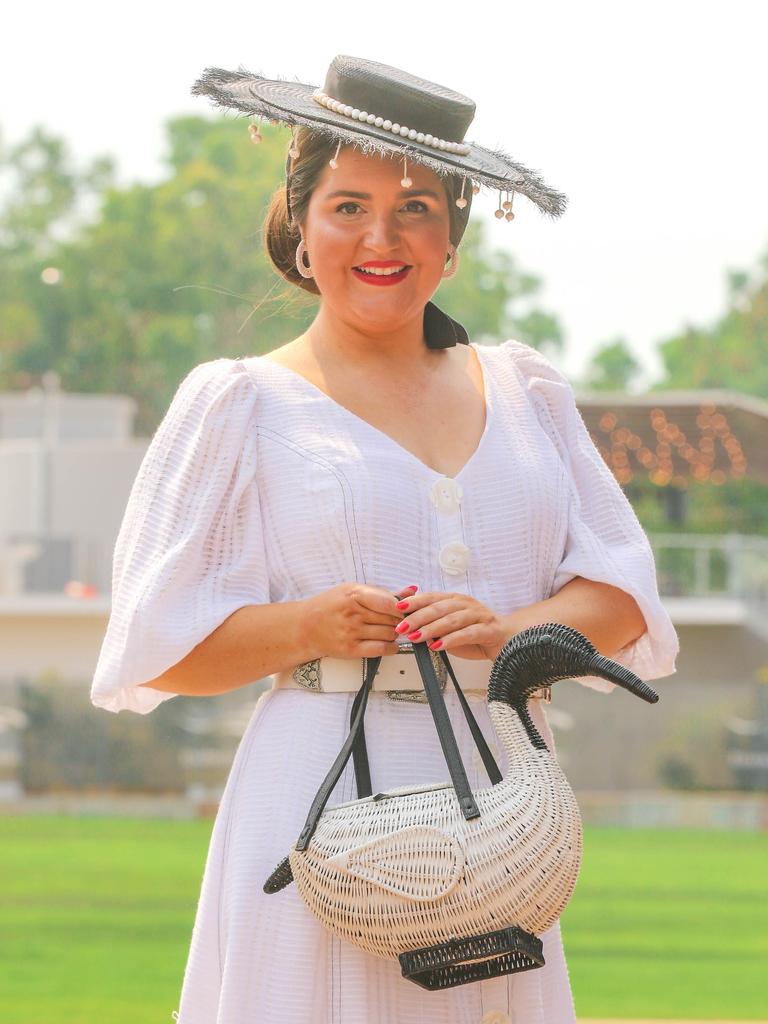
(615,673)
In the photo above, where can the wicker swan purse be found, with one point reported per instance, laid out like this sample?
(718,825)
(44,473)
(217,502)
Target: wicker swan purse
(457,886)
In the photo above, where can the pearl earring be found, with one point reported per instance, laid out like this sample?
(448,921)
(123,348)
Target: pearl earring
(334,159)
(406,181)
(461,202)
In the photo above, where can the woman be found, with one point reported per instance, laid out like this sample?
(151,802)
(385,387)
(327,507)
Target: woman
(368,484)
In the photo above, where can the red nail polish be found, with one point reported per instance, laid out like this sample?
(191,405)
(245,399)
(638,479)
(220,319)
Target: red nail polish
(415,635)
(401,604)
(435,644)
(401,627)
(413,586)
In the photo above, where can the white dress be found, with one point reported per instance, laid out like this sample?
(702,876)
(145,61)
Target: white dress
(258,487)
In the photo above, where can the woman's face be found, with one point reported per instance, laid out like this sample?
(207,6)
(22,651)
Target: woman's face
(360,215)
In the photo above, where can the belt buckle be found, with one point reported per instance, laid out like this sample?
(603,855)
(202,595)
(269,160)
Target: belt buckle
(419,696)
(309,674)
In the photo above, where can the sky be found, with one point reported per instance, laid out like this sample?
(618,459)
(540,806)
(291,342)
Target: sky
(650,117)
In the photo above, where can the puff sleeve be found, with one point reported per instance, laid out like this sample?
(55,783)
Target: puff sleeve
(605,541)
(189,551)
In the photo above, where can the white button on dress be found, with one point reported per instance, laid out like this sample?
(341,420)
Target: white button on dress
(454,558)
(445,494)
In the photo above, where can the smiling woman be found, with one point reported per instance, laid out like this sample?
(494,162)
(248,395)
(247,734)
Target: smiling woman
(284,509)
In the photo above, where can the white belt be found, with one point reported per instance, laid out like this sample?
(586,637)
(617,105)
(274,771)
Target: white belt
(395,673)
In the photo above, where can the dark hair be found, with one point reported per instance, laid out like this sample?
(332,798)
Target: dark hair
(316,149)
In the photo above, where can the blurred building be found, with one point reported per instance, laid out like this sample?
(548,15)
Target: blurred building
(710,728)
(67,463)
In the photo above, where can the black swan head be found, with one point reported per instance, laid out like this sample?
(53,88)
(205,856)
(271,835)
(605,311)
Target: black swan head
(541,655)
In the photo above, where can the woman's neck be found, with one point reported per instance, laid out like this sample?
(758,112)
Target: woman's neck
(333,340)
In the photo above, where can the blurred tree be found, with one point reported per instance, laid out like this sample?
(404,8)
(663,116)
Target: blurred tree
(733,352)
(45,195)
(66,748)
(612,368)
(45,200)
(164,276)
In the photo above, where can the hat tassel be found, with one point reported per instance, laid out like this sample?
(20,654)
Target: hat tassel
(506,205)
(461,202)
(334,161)
(405,181)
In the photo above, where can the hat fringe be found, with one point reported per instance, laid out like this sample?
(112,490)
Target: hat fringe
(216,84)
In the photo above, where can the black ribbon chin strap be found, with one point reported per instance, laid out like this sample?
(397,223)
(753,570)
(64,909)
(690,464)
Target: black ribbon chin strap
(441,330)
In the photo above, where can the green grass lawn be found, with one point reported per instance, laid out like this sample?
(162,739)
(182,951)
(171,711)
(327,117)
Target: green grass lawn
(670,924)
(96,916)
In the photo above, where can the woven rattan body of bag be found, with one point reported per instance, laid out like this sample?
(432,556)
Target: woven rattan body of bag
(457,886)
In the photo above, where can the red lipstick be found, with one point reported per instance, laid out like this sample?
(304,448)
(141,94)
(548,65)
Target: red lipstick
(381,279)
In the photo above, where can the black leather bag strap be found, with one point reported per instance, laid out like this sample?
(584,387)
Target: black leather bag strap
(445,732)
(360,751)
(488,759)
(326,787)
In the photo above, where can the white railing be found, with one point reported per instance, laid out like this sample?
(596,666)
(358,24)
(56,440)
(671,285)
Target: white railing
(712,565)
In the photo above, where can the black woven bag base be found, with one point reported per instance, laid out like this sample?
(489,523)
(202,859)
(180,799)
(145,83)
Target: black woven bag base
(475,958)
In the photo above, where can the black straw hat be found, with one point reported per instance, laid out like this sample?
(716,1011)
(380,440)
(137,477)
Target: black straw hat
(420,109)
(380,109)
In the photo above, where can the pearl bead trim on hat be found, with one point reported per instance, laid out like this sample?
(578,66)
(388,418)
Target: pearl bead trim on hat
(460,148)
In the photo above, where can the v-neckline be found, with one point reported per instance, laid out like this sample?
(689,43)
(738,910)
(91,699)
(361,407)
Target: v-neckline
(387,437)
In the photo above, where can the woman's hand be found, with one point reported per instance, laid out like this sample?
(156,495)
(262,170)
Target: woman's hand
(465,627)
(353,620)
(606,615)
